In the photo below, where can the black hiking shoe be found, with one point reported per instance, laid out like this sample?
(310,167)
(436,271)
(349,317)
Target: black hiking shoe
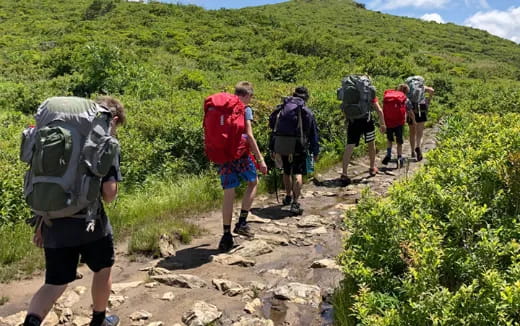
(287,200)
(295,209)
(419,154)
(386,159)
(226,242)
(112,320)
(243,229)
(344,181)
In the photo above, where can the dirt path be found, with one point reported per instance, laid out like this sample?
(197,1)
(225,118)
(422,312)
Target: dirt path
(276,276)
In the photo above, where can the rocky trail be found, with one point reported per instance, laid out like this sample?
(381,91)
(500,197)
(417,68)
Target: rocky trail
(284,276)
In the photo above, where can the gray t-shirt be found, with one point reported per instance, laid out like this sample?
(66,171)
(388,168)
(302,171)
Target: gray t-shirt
(71,232)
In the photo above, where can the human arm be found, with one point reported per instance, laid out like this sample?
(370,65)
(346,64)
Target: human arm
(38,237)
(254,147)
(314,138)
(379,111)
(429,90)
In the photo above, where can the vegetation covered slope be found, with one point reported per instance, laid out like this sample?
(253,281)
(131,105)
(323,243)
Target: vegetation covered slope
(162,60)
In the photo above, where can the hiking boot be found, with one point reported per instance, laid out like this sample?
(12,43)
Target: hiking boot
(226,242)
(243,229)
(344,181)
(287,200)
(112,320)
(419,154)
(386,159)
(373,171)
(295,209)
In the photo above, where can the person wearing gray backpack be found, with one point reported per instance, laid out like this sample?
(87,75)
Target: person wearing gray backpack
(73,158)
(358,100)
(419,114)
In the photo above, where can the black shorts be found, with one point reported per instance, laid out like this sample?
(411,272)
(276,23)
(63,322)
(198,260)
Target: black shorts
(358,127)
(424,113)
(296,166)
(395,134)
(61,263)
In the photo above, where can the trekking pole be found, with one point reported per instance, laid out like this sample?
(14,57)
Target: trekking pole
(276,184)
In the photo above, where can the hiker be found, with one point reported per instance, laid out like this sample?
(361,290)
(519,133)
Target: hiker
(396,106)
(294,137)
(359,99)
(229,139)
(62,230)
(419,114)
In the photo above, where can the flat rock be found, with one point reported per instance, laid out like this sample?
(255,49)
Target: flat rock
(168,296)
(151,285)
(14,320)
(282,224)
(80,321)
(299,293)
(252,248)
(68,299)
(280,272)
(272,239)
(325,263)
(158,271)
(271,229)
(156,323)
(181,280)
(66,316)
(253,321)
(201,314)
(80,290)
(228,287)
(257,219)
(118,287)
(227,259)
(252,306)
(52,319)
(345,207)
(310,221)
(140,315)
(316,231)
(255,285)
(116,300)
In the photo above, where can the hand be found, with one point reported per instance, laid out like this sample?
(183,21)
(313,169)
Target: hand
(316,157)
(263,167)
(382,128)
(38,237)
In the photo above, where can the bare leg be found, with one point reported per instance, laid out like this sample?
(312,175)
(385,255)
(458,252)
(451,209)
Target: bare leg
(412,137)
(347,155)
(288,184)
(419,133)
(297,186)
(249,196)
(227,207)
(372,154)
(44,299)
(101,284)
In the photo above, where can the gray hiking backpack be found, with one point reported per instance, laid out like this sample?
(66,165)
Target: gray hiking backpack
(356,94)
(416,85)
(69,151)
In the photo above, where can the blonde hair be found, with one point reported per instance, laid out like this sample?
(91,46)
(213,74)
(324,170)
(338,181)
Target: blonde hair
(244,88)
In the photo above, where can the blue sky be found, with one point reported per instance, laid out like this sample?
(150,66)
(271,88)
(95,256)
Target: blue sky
(499,17)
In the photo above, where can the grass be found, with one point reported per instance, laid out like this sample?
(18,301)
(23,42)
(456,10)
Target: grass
(18,256)
(3,300)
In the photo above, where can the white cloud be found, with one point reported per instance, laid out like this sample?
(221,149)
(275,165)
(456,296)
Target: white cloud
(505,24)
(434,17)
(394,4)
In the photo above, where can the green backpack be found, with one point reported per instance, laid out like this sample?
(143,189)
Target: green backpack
(356,95)
(69,151)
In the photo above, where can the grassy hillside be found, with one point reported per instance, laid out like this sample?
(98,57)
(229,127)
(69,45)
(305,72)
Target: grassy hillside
(162,60)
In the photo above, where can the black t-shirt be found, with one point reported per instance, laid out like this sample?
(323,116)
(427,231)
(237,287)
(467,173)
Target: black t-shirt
(71,232)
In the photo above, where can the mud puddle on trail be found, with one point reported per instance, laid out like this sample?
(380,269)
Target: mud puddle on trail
(283,276)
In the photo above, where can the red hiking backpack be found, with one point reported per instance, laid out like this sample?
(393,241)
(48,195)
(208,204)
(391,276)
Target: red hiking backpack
(394,108)
(224,128)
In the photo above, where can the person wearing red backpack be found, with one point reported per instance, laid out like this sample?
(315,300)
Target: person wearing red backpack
(229,139)
(396,106)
